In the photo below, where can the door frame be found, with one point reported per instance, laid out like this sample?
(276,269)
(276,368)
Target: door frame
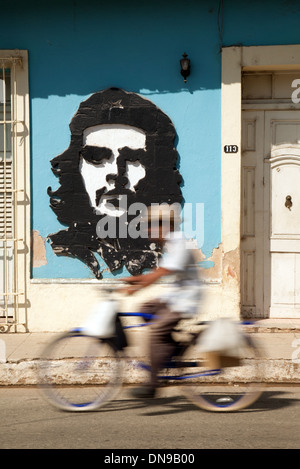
(235,60)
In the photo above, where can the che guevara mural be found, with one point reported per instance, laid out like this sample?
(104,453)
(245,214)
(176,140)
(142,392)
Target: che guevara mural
(121,155)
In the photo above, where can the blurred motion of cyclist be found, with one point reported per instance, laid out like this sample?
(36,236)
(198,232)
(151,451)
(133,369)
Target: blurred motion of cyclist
(180,297)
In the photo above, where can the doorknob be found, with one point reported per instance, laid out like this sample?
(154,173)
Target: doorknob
(288,202)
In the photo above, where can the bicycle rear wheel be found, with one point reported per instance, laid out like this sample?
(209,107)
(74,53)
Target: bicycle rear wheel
(79,372)
(233,386)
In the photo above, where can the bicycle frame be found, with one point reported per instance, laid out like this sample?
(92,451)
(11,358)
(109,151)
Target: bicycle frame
(171,364)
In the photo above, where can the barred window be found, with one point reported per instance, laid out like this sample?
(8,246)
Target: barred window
(12,188)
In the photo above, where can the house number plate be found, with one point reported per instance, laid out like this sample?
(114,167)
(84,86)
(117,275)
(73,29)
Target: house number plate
(231,148)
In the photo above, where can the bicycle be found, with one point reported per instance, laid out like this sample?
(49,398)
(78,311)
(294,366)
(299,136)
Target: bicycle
(81,372)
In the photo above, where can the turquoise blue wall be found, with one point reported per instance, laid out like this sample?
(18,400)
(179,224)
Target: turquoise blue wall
(79,47)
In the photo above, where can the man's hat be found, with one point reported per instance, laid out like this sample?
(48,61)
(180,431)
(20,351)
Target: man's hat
(164,213)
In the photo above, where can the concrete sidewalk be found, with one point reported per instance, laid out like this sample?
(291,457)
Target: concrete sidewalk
(278,339)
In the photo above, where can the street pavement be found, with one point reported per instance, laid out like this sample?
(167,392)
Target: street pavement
(167,425)
(279,340)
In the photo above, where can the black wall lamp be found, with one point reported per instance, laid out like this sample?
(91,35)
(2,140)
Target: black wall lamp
(185,65)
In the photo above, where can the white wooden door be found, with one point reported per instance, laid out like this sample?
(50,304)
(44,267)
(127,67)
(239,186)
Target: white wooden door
(270,214)
(282,172)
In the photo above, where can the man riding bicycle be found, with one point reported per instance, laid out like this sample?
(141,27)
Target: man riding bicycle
(180,300)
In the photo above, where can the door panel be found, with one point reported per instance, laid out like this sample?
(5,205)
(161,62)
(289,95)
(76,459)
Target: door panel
(283,173)
(270,215)
(252,214)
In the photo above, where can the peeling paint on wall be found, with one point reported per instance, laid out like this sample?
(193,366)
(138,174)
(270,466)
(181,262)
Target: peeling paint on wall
(225,267)
(212,271)
(231,267)
(38,250)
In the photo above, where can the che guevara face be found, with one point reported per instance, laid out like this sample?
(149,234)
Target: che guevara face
(121,145)
(106,174)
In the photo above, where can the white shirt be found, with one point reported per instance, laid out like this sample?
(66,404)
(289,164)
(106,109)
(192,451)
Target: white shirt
(183,294)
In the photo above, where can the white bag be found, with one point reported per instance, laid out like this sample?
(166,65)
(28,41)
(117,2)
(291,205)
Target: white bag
(223,336)
(102,320)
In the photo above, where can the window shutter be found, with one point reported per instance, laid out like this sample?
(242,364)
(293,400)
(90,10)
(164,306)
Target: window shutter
(6,201)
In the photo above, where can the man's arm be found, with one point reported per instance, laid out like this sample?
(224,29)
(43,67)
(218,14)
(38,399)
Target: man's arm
(143,281)
(133,279)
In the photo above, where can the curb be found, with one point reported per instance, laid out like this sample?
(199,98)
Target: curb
(280,344)
(25,373)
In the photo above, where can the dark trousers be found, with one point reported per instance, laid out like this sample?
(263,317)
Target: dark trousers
(162,344)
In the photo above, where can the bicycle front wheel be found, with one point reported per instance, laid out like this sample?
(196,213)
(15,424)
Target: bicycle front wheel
(79,372)
(225,384)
